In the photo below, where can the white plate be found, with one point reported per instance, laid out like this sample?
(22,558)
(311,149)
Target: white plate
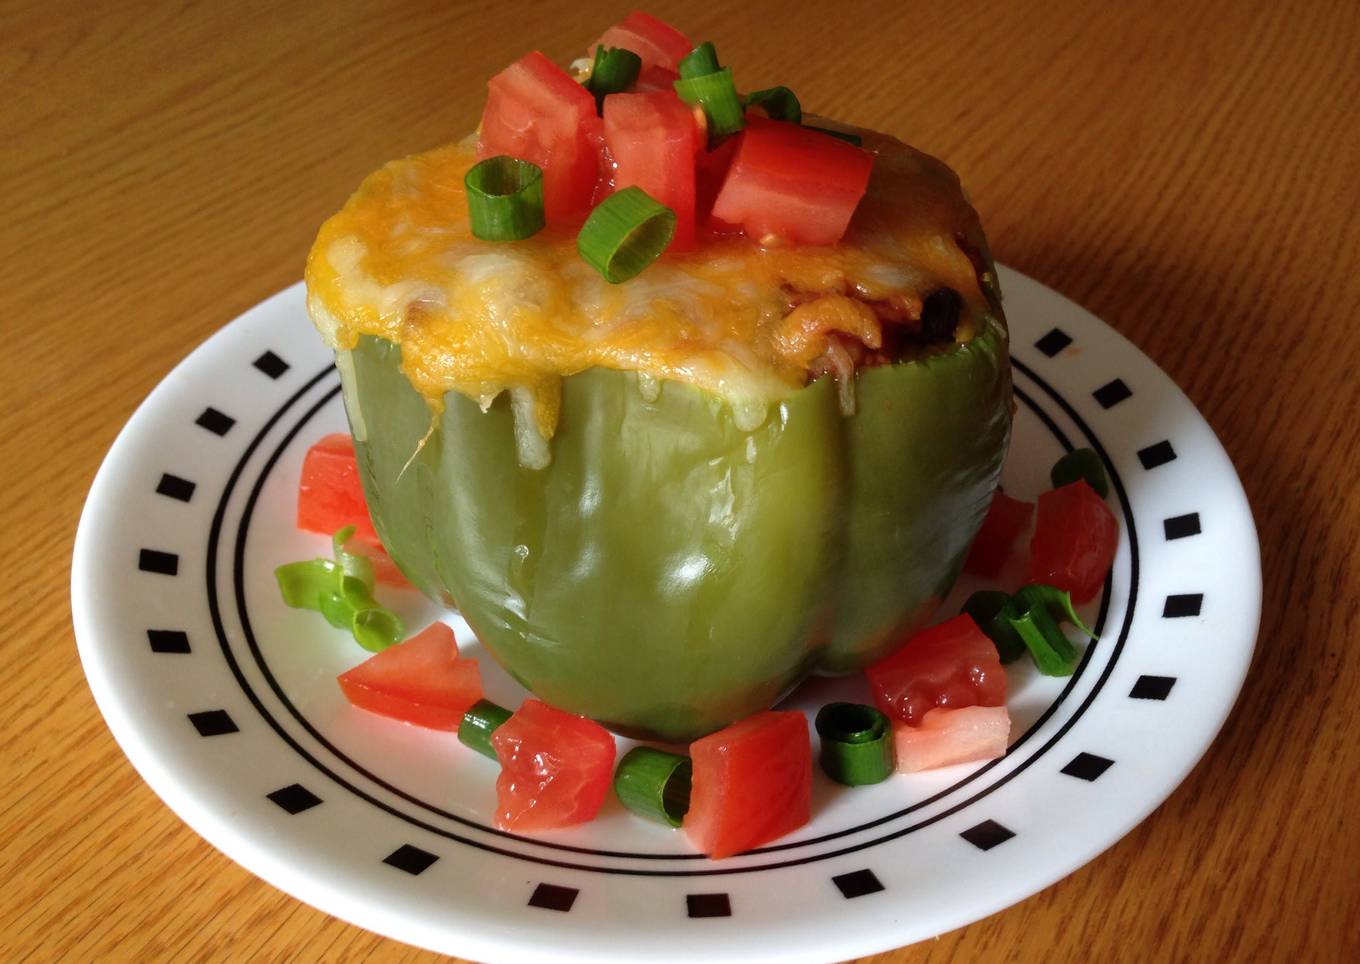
(225,700)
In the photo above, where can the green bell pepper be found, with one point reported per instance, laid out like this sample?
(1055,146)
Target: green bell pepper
(669,573)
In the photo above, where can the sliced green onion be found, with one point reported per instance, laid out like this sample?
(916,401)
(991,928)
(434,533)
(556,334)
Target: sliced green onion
(479,722)
(843,135)
(654,784)
(376,629)
(718,97)
(615,70)
(779,103)
(626,232)
(302,584)
(991,609)
(354,565)
(857,745)
(1080,464)
(342,591)
(702,60)
(1053,653)
(505,198)
(1057,601)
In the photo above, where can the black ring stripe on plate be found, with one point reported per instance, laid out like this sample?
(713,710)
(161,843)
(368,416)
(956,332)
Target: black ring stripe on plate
(175,488)
(988,834)
(1155,455)
(708,905)
(213,723)
(271,364)
(1087,766)
(1152,687)
(214,421)
(294,798)
(214,539)
(1053,342)
(1182,605)
(1112,393)
(1181,526)
(168,640)
(553,897)
(857,883)
(411,859)
(161,563)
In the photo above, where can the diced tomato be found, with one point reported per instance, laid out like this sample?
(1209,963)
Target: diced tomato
(420,681)
(655,41)
(1006,519)
(1074,541)
(793,184)
(952,665)
(752,783)
(536,112)
(711,167)
(331,495)
(555,768)
(948,736)
(651,138)
(652,79)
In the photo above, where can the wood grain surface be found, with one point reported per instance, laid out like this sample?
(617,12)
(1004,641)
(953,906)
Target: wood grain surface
(1188,171)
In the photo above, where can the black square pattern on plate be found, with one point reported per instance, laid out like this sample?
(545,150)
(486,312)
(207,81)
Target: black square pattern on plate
(163,563)
(215,421)
(175,487)
(1087,766)
(413,860)
(857,883)
(708,905)
(987,835)
(168,640)
(213,723)
(1155,455)
(1180,526)
(294,798)
(1182,605)
(271,364)
(1152,687)
(553,897)
(1112,393)
(1054,342)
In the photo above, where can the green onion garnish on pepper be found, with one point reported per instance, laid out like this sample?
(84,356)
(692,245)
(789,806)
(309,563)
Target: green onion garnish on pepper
(842,135)
(1080,464)
(342,591)
(717,95)
(479,722)
(702,60)
(857,744)
(779,103)
(1036,612)
(505,199)
(991,609)
(654,784)
(626,232)
(615,70)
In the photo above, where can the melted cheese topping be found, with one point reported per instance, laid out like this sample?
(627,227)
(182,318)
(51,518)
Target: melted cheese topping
(734,318)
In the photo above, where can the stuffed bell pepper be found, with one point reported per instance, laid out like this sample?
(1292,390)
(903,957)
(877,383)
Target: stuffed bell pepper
(677,393)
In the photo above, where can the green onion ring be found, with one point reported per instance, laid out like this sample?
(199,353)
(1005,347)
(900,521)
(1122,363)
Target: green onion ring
(718,97)
(702,60)
(1057,601)
(991,609)
(615,70)
(342,591)
(505,198)
(626,232)
(479,722)
(857,744)
(654,784)
(779,103)
(1080,464)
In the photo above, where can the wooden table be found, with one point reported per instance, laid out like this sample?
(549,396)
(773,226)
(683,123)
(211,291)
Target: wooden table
(1188,171)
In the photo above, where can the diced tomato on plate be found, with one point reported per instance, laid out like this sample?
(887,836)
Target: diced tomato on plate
(947,736)
(536,112)
(652,139)
(951,665)
(556,768)
(792,184)
(655,41)
(752,783)
(420,681)
(1006,519)
(1075,537)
